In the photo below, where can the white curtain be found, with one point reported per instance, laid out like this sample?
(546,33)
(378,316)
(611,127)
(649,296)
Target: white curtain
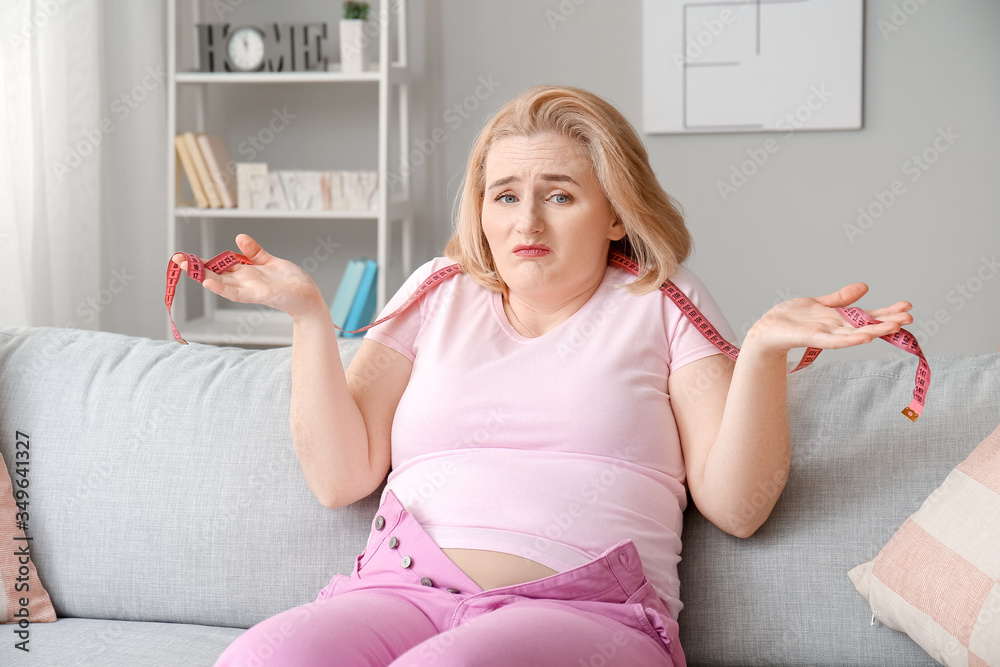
(52,129)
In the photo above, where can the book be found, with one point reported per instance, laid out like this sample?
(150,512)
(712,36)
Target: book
(303,190)
(289,186)
(276,199)
(252,185)
(184,155)
(342,302)
(326,197)
(337,190)
(310,191)
(354,198)
(178,179)
(219,168)
(191,140)
(369,189)
(364,301)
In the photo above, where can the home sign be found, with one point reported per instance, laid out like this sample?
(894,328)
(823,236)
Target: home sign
(274,47)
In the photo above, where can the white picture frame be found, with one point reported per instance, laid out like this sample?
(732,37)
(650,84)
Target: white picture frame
(752,65)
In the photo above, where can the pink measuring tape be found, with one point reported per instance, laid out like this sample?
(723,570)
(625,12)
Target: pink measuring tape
(902,339)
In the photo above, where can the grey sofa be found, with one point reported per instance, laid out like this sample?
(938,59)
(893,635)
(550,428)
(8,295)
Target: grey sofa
(168,510)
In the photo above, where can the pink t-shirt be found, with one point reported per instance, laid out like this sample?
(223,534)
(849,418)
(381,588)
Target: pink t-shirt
(553,448)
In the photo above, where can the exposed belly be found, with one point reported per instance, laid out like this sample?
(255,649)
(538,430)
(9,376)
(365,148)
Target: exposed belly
(494,569)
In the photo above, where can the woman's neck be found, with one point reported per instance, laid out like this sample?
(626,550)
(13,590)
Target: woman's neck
(534,315)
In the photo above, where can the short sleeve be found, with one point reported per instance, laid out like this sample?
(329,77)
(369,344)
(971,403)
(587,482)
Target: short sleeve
(400,332)
(685,341)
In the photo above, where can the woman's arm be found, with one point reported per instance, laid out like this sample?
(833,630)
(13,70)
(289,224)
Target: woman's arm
(732,416)
(733,426)
(340,422)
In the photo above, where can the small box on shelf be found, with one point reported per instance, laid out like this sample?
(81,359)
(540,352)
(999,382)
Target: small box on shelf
(304,190)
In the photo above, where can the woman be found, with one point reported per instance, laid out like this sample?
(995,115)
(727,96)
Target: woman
(541,413)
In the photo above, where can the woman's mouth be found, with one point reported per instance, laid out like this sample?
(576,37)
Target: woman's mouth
(536,250)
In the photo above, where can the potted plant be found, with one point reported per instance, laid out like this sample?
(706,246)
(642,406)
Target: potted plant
(353,40)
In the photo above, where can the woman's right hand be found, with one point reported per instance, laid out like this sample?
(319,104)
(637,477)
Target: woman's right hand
(271,281)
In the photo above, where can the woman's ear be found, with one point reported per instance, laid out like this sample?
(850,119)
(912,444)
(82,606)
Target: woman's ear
(617,230)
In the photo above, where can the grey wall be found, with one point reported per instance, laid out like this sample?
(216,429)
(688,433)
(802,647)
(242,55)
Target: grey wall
(134,232)
(781,234)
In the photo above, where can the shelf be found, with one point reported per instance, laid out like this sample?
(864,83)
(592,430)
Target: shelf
(271,214)
(275,77)
(243,326)
(190,98)
(236,326)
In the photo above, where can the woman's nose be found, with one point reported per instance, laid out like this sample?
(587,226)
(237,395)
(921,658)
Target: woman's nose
(531,218)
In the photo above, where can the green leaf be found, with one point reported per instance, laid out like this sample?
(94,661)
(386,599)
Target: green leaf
(356,10)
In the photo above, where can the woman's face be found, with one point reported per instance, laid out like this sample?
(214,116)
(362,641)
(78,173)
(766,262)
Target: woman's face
(545,216)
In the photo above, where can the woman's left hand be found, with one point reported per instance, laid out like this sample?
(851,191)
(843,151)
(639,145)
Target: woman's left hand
(814,322)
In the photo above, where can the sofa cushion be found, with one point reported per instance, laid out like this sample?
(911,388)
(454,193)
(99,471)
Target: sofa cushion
(164,482)
(97,643)
(859,468)
(938,578)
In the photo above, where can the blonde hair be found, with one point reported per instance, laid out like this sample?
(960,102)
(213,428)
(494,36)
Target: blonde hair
(656,236)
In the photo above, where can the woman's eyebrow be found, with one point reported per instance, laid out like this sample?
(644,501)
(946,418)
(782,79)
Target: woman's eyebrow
(559,178)
(502,182)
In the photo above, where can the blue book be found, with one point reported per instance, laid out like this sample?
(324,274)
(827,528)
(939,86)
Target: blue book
(341,305)
(364,301)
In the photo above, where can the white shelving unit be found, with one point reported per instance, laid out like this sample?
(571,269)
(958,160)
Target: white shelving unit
(261,326)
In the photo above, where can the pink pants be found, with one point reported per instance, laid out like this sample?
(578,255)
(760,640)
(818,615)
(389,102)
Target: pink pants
(407,604)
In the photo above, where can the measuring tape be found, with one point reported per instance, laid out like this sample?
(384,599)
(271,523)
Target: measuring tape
(196,270)
(902,339)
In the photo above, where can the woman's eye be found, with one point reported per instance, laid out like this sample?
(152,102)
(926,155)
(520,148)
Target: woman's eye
(506,199)
(560,198)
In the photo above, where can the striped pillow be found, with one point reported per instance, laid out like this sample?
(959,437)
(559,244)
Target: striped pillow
(938,577)
(14,573)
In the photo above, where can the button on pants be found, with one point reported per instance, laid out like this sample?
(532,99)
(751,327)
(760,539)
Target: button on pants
(406,604)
